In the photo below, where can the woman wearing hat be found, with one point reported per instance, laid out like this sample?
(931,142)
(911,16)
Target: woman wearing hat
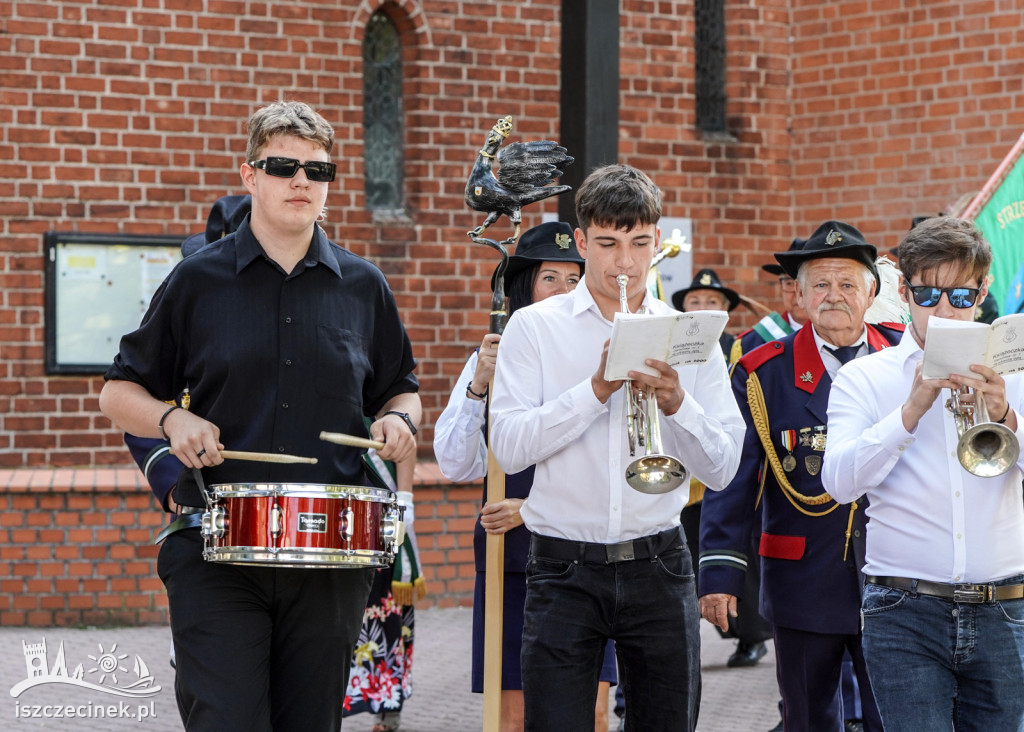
(546,263)
(707,292)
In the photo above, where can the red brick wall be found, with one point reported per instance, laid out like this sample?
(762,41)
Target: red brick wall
(76,546)
(900,109)
(127,117)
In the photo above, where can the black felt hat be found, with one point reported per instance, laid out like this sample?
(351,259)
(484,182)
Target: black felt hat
(796,245)
(227,214)
(706,279)
(549,242)
(832,240)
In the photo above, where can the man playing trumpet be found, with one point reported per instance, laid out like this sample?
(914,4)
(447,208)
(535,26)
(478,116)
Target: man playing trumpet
(606,561)
(943,609)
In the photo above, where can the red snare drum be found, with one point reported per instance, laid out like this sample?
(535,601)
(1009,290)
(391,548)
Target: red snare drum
(300,525)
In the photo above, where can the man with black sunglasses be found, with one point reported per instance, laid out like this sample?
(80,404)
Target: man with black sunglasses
(943,610)
(275,334)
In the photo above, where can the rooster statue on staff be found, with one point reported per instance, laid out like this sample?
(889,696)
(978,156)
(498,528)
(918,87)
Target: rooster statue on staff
(525,173)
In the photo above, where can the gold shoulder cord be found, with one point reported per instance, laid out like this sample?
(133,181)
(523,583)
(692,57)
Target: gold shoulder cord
(735,353)
(755,398)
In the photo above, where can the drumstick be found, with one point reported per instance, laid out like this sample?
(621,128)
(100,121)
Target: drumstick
(264,457)
(339,438)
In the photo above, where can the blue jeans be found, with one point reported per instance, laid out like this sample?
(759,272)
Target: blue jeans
(935,664)
(648,606)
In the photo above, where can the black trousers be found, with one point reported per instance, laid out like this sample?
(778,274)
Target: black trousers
(260,648)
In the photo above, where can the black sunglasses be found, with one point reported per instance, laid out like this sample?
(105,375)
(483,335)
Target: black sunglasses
(316,170)
(959,297)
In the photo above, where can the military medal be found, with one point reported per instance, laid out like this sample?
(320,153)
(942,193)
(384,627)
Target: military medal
(813,464)
(789,442)
(818,441)
(805,437)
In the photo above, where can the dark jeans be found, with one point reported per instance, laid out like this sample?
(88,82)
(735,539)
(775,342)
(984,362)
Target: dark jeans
(647,606)
(936,663)
(259,648)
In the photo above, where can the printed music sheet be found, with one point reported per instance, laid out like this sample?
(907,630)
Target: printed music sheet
(679,339)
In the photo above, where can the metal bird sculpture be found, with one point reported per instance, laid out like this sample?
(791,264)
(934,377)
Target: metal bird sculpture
(525,171)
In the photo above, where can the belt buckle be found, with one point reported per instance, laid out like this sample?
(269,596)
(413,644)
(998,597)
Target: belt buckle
(972,594)
(621,552)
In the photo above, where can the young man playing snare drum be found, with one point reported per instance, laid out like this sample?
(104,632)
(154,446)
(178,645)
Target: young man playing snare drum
(277,335)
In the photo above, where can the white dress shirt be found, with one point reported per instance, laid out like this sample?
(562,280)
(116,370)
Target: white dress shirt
(544,413)
(929,518)
(459,445)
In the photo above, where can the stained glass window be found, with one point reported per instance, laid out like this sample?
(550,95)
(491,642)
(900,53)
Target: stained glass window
(382,114)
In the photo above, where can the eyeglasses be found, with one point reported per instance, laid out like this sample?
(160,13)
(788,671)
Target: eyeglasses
(316,170)
(959,297)
(788,284)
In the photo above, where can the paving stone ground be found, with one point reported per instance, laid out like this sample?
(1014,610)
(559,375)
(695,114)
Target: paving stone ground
(733,699)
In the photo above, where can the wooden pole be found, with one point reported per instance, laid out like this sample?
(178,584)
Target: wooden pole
(494,598)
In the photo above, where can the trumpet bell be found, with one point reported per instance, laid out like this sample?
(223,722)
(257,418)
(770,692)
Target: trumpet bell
(655,474)
(988,450)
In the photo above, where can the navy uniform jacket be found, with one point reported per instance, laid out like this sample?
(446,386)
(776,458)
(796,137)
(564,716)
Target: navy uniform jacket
(806,582)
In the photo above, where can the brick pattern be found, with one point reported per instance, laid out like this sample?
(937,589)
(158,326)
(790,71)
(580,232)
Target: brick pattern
(76,546)
(127,117)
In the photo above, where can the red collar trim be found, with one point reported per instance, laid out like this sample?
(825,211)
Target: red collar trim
(807,365)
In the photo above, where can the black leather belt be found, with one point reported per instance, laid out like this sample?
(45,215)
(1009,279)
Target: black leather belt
(646,547)
(968,593)
(189,517)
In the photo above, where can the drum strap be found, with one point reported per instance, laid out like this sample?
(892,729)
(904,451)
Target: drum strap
(185,521)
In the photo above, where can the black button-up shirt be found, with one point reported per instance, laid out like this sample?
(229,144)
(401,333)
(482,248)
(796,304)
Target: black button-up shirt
(273,358)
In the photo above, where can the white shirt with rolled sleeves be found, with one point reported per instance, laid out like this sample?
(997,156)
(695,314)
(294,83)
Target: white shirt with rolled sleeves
(544,413)
(459,445)
(929,518)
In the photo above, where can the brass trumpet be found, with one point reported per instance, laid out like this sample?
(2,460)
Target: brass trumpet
(669,248)
(654,472)
(985,448)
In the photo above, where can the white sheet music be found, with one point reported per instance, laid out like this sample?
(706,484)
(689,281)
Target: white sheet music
(679,339)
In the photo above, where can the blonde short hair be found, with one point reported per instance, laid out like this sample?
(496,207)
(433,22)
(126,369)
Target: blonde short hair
(287,118)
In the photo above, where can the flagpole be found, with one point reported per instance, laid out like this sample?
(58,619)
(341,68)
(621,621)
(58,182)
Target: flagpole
(979,201)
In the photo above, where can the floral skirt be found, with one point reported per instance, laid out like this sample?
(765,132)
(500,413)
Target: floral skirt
(381,675)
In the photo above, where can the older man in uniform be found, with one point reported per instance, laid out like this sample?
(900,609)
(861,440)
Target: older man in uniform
(810,547)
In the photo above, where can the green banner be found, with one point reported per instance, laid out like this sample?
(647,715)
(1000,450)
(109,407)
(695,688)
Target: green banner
(1001,220)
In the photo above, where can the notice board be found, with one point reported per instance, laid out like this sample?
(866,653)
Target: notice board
(98,287)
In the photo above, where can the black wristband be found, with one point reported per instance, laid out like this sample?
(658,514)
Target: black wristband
(405,418)
(469,390)
(160,424)
(1005,414)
